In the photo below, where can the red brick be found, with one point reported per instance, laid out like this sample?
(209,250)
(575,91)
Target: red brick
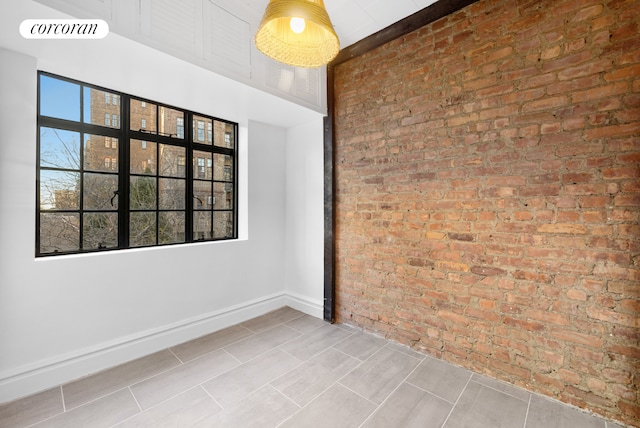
(567,61)
(548,381)
(579,338)
(630,410)
(614,317)
(621,173)
(612,131)
(511,369)
(544,104)
(631,200)
(623,73)
(587,354)
(548,317)
(579,397)
(629,351)
(571,229)
(600,92)
(569,376)
(523,324)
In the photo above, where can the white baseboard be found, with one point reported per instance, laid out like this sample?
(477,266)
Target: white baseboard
(33,378)
(312,307)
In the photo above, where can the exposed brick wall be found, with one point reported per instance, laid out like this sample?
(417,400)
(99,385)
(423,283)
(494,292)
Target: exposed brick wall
(488,195)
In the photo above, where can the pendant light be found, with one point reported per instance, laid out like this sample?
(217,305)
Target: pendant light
(298,33)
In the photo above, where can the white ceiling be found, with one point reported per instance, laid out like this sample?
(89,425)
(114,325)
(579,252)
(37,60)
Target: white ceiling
(353,20)
(168,26)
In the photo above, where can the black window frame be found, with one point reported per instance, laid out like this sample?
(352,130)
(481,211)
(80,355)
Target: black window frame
(125,135)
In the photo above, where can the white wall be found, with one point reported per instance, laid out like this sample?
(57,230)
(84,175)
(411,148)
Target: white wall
(66,316)
(305,215)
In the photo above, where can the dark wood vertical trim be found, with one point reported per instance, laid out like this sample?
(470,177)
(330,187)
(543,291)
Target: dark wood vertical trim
(329,205)
(432,13)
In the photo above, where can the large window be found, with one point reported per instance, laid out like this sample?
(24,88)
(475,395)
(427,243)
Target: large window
(116,171)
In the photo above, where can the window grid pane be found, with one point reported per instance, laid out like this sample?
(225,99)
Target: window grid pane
(101,107)
(80,199)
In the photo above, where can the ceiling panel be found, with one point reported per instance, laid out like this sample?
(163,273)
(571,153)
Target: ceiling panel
(218,35)
(353,19)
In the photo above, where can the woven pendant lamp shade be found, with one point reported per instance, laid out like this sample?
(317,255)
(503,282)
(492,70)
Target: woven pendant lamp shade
(315,46)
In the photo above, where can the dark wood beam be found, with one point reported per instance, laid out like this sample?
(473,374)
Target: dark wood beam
(423,17)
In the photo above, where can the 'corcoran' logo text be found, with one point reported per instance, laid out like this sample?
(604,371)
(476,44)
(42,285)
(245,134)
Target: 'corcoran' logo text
(64,29)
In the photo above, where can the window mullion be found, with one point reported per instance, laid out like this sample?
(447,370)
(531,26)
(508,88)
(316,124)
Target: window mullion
(157,166)
(188,223)
(81,170)
(123,176)
(234,184)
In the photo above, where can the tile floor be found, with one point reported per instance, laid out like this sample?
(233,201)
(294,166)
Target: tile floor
(287,369)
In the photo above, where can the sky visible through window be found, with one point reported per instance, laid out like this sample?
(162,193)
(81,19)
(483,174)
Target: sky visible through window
(61,99)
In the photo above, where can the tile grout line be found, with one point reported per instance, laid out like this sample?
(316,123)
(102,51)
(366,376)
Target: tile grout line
(429,392)
(361,362)
(300,334)
(199,385)
(142,411)
(344,353)
(268,382)
(260,354)
(343,339)
(210,396)
(78,407)
(335,383)
(64,410)
(456,403)
(290,354)
(98,398)
(392,392)
(303,332)
(497,390)
(359,395)
(282,344)
(281,393)
(135,399)
(275,325)
(222,349)
(64,406)
(211,351)
(258,333)
(132,416)
(174,354)
(400,348)
(312,356)
(128,385)
(526,415)
(232,356)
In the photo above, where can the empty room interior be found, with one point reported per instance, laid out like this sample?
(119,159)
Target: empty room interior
(436,224)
